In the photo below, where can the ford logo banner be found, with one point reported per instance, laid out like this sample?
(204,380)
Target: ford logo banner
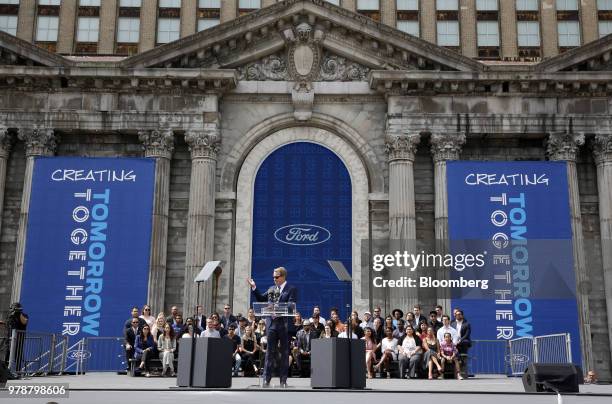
(302,234)
(79,355)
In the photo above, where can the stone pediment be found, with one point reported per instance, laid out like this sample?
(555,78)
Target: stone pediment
(347,44)
(17,52)
(594,56)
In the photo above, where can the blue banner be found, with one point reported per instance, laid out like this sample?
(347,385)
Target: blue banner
(88,241)
(518,214)
(301,219)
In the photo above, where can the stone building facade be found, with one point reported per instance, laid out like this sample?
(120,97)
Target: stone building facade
(395,108)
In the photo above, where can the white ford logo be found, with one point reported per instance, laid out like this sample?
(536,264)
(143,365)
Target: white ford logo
(302,234)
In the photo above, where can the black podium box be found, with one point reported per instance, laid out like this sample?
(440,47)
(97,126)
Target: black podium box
(212,363)
(331,366)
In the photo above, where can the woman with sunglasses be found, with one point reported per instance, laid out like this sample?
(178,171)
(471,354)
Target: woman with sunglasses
(145,348)
(146,316)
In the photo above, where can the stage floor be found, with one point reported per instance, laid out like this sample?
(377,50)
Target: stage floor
(94,388)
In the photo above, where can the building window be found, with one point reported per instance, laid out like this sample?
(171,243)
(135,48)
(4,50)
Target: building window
(336,2)
(488,33)
(447,5)
(130,3)
(89,3)
(448,33)
(605,28)
(409,27)
(169,3)
(528,33)
(209,14)
(246,6)
(9,2)
(407,5)
(604,5)
(486,5)
(88,29)
(47,28)
(128,30)
(569,34)
(168,29)
(567,5)
(369,8)
(8,23)
(49,2)
(527,5)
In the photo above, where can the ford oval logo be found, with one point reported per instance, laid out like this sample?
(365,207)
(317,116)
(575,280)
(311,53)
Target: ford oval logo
(79,355)
(302,234)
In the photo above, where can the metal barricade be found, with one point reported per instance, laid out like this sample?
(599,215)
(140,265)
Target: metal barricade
(553,348)
(488,357)
(521,354)
(32,353)
(104,354)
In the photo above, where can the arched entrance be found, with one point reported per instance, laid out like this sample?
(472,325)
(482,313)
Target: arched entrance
(301,220)
(331,146)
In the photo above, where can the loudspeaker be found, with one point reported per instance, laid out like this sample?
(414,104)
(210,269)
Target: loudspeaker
(334,365)
(212,363)
(551,377)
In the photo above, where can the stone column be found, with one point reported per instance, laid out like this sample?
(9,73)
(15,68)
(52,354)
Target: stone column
(602,149)
(444,147)
(38,142)
(6,141)
(159,145)
(204,146)
(564,147)
(401,149)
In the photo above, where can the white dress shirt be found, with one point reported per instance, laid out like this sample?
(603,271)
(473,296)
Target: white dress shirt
(443,330)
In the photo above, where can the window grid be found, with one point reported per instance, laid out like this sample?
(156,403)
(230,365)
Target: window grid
(567,5)
(528,33)
(88,29)
(169,3)
(49,2)
(9,2)
(409,27)
(128,30)
(130,3)
(47,28)
(527,5)
(89,3)
(486,5)
(8,24)
(407,5)
(448,33)
(209,3)
(605,28)
(569,34)
(447,5)
(168,29)
(205,23)
(368,5)
(488,33)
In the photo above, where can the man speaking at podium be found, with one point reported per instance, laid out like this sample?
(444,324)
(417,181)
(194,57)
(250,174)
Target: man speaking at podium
(276,328)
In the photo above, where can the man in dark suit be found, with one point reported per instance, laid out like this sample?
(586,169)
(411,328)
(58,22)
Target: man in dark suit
(135,315)
(464,330)
(129,340)
(227,317)
(303,343)
(276,328)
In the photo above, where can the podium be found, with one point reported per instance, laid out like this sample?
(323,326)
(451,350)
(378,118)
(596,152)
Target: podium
(209,366)
(332,368)
(271,309)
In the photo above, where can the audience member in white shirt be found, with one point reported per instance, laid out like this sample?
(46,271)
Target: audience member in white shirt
(388,347)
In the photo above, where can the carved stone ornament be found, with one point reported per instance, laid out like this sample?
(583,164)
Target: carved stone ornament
(602,148)
(273,67)
(446,146)
(304,54)
(157,143)
(402,147)
(205,143)
(6,142)
(337,68)
(302,97)
(562,146)
(38,141)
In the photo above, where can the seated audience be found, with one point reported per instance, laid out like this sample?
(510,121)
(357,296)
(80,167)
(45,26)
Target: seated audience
(166,345)
(128,322)
(146,316)
(145,348)
(433,321)
(397,314)
(367,320)
(129,339)
(316,312)
(332,326)
(422,330)
(236,345)
(171,318)
(210,331)
(388,323)
(446,328)
(249,349)
(410,354)
(388,347)
(157,328)
(327,331)
(400,332)
(188,332)
(370,350)
(317,327)
(431,347)
(448,353)
(303,342)
(178,325)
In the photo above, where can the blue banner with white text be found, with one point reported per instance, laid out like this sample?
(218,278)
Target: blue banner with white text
(88,240)
(518,215)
